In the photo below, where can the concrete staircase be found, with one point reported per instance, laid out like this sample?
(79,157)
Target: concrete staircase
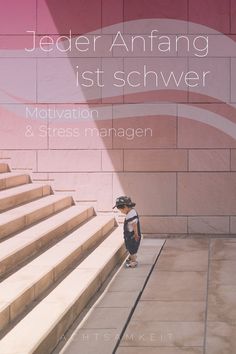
(54,256)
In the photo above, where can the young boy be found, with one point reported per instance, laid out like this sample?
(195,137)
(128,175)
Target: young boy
(132,231)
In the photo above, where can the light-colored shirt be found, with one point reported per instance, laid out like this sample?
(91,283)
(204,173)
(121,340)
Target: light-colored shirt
(132,213)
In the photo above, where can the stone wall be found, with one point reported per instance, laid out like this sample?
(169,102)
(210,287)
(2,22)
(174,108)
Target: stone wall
(182,171)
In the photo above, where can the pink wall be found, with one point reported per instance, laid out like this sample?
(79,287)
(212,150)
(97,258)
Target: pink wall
(183,175)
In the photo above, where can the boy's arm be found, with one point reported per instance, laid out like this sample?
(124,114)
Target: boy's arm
(136,235)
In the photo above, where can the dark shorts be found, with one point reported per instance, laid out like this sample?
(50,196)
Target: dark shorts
(132,245)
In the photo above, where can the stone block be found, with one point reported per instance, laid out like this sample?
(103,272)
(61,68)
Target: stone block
(233,14)
(18,80)
(206,126)
(69,160)
(214,83)
(145,132)
(220,338)
(112,160)
(18,17)
(154,193)
(176,286)
(212,14)
(155,9)
(88,187)
(76,15)
(144,83)
(19,133)
(111,93)
(112,16)
(209,160)
(208,224)
(164,224)
(60,80)
(155,160)
(233,159)
(206,193)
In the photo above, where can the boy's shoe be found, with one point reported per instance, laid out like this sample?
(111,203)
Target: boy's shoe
(132,264)
(127,261)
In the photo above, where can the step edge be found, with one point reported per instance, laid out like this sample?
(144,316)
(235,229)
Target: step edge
(94,273)
(52,268)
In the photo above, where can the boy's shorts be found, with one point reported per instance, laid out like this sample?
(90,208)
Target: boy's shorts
(132,245)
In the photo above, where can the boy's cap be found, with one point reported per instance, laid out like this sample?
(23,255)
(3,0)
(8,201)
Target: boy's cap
(124,200)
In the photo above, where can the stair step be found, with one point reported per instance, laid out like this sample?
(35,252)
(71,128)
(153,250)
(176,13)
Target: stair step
(15,196)
(29,242)
(10,179)
(28,283)
(49,320)
(23,216)
(4,167)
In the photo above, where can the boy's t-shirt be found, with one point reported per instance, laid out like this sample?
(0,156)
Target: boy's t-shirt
(131,214)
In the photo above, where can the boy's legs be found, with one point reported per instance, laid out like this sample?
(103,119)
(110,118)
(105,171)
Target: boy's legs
(132,246)
(133,257)
(128,260)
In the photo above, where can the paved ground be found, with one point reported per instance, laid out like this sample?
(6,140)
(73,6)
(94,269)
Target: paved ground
(188,305)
